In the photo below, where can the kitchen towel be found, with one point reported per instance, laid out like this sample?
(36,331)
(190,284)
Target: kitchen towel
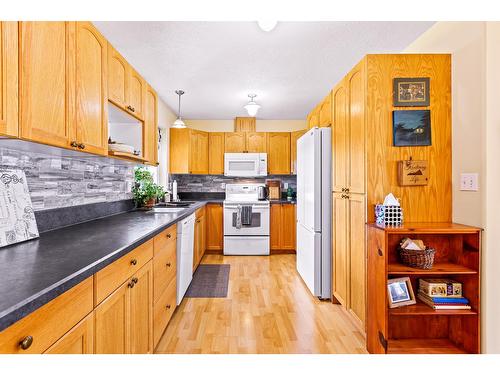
(246,215)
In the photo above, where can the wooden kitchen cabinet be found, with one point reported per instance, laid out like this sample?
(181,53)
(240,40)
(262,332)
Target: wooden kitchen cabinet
(244,124)
(215,224)
(215,153)
(278,153)
(188,151)
(325,112)
(79,340)
(234,142)
(340,137)
(199,237)
(294,137)
(282,227)
(313,118)
(9,121)
(136,90)
(124,320)
(150,133)
(256,142)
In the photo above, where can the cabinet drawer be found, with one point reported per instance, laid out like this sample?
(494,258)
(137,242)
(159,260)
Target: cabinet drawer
(50,322)
(111,277)
(164,266)
(163,310)
(162,240)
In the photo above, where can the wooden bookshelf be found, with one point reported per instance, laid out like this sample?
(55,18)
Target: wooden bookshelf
(419,328)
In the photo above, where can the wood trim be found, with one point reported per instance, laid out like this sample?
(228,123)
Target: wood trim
(9,79)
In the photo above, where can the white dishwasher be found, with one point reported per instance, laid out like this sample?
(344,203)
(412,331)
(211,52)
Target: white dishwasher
(185,242)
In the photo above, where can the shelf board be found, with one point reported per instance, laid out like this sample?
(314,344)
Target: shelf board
(421,308)
(437,269)
(422,346)
(125,155)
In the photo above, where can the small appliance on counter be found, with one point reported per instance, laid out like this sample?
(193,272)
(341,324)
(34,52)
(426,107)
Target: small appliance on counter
(263,192)
(274,189)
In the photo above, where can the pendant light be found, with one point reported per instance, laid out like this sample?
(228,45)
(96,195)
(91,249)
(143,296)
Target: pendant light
(252,107)
(179,124)
(267,25)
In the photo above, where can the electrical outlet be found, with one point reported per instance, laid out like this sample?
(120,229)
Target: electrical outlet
(469,182)
(285,185)
(223,185)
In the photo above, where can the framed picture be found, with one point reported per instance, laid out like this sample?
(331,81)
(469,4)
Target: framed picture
(411,128)
(400,292)
(411,92)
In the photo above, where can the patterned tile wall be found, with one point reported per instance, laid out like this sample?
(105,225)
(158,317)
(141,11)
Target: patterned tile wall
(56,181)
(213,183)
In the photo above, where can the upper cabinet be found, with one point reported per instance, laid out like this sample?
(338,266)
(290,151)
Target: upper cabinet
(9,124)
(127,89)
(244,124)
(278,155)
(294,136)
(256,142)
(150,134)
(313,117)
(91,89)
(215,153)
(325,111)
(47,82)
(234,142)
(188,151)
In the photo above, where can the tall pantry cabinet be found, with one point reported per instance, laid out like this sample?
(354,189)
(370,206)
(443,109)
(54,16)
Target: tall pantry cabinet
(365,162)
(8,79)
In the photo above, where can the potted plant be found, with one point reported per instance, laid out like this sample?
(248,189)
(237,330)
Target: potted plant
(145,191)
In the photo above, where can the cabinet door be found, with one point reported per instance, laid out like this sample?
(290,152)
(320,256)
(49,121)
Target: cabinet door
(339,138)
(117,77)
(198,152)
(313,118)
(112,323)
(244,124)
(288,227)
(203,236)
(215,153)
(325,112)
(179,150)
(278,153)
(9,122)
(275,226)
(294,136)
(234,142)
(150,140)
(340,249)
(357,257)
(196,244)
(141,311)
(79,340)
(256,142)
(91,89)
(46,79)
(214,221)
(136,89)
(357,132)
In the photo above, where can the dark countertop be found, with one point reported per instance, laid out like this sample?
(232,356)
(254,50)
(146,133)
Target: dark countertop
(283,201)
(37,271)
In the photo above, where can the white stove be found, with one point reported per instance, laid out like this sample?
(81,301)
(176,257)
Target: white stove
(246,221)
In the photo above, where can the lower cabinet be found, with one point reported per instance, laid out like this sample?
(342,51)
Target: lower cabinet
(283,227)
(215,221)
(124,320)
(199,237)
(79,340)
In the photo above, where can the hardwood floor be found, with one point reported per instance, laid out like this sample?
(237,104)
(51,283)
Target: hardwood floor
(268,310)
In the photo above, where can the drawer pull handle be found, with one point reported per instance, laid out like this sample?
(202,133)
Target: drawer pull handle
(169,235)
(133,262)
(168,307)
(26,342)
(169,264)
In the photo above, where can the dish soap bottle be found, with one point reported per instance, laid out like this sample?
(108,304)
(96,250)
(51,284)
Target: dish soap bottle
(289,194)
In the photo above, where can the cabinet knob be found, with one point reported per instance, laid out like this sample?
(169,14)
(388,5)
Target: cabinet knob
(131,284)
(74,144)
(26,342)
(347,190)
(133,262)
(198,220)
(169,264)
(135,280)
(343,189)
(168,307)
(130,108)
(169,235)
(380,253)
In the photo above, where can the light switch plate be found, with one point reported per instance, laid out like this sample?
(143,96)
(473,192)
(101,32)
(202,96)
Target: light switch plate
(469,182)
(223,185)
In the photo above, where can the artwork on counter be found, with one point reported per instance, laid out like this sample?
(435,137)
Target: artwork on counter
(400,292)
(411,92)
(17,218)
(411,128)
(413,172)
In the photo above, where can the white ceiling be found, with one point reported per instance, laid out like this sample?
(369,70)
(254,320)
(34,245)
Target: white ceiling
(218,63)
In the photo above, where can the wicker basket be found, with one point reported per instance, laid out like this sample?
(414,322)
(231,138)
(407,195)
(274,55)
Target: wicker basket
(423,259)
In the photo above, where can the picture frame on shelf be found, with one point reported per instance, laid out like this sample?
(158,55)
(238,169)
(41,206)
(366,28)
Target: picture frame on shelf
(400,292)
(411,92)
(411,128)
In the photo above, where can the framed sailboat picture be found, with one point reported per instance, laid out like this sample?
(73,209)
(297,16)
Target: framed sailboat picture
(17,218)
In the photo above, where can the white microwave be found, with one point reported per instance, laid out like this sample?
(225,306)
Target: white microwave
(250,164)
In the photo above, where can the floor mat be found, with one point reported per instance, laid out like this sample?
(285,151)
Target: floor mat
(209,281)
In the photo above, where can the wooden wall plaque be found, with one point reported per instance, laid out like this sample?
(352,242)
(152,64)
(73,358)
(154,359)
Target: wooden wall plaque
(413,172)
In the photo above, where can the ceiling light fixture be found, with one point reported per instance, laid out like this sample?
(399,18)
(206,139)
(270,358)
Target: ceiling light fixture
(252,107)
(267,25)
(179,124)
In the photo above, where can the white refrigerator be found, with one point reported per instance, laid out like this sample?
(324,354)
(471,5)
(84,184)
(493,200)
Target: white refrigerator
(314,259)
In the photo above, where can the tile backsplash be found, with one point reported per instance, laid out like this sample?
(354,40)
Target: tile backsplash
(213,183)
(58,181)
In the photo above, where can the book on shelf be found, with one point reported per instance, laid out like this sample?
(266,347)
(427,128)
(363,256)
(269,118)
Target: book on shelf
(445,304)
(440,287)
